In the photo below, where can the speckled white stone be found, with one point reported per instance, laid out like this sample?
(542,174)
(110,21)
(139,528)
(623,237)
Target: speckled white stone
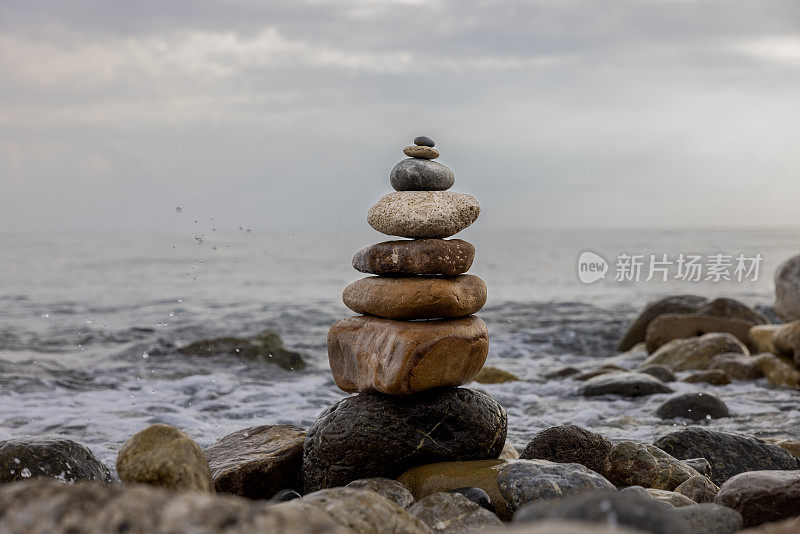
(415,214)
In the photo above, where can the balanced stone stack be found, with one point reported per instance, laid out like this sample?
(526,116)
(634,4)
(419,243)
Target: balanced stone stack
(415,342)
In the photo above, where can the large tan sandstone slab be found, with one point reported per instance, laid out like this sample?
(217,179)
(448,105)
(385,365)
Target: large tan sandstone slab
(404,357)
(447,257)
(431,214)
(416,297)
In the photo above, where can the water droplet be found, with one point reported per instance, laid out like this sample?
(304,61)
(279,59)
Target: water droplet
(145,355)
(25,473)
(172,314)
(45,315)
(198,239)
(178,210)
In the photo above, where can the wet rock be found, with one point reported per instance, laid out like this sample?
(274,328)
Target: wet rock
(700,465)
(668,327)
(51,507)
(365,512)
(675,304)
(478,496)
(787,289)
(509,452)
(698,488)
(257,462)
(662,372)
(569,444)
(493,375)
(696,352)
(670,497)
(619,509)
(762,496)
(778,371)
(729,454)
(446,476)
(603,370)
(640,464)
(624,384)
(423,140)
(423,152)
(389,488)
(525,481)
(447,257)
(375,435)
(715,377)
(453,513)
(761,337)
(710,518)
(266,346)
(59,458)
(414,174)
(163,456)
(736,365)
(404,357)
(694,406)
(416,297)
(430,214)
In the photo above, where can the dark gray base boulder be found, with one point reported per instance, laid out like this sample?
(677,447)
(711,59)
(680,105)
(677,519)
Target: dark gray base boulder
(729,454)
(59,458)
(376,435)
(618,509)
(569,444)
(694,406)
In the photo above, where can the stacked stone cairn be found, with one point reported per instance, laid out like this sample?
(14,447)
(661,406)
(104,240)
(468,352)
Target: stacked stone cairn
(417,339)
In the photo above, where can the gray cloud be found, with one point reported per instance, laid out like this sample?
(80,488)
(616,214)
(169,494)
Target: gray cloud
(290,114)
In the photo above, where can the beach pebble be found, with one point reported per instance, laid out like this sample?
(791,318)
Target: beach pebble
(59,458)
(525,481)
(447,257)
(418,297)
(624,384)
(569,444)
(762,496)
(787,289)
(423,152)
(389,488)
(266,345)
(431,214)
(737,366)
(493,375)
(698,488)
(665,328)
(376,435)
(417,174)
(710,518)
(478,496)
(257,462)
(404,357)
(662,372)
(640,464)
(643,514)
(715,377)
(453,476)
(424,141)
(786,340)
(453,513)
(163,456)
(695,353)
(761,338)
(365,512)
(669,497)
(778,371)
(694,406)
(729,454)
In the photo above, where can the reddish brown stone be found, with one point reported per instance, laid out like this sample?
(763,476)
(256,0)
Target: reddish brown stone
(404,357)
(416,297)
(447,257)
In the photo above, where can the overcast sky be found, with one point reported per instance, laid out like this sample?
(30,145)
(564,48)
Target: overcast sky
(290,114)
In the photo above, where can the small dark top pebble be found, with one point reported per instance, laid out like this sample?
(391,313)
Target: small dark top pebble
(424,141)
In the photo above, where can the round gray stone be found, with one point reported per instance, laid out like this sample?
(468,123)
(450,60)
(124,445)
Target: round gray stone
(415,174)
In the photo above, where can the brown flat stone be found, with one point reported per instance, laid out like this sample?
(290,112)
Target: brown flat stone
(416,297)
(402,357)
(447,257)
(671,326)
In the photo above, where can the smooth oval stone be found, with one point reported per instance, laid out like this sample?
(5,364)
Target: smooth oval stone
(447,257)
(423,140)
(418,297)
(60,458)
(404,357)
(624,384)
(431,214)
(569,444)
(694,406)
(417,174)
(422,152)
(375,435)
